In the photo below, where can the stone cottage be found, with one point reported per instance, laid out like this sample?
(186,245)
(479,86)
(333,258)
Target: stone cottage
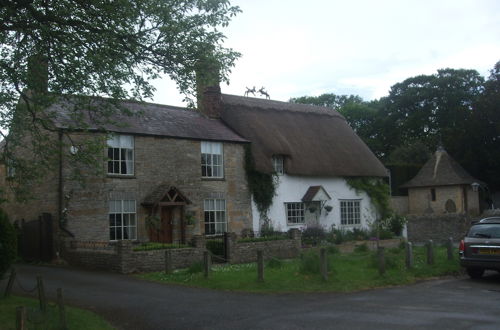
(168,173)
(442,186)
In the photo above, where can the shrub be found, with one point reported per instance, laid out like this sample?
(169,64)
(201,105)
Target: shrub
(362,248)
(332,249)
(196,267)
(8,243)
(158,246)
(310,262)
(274,263)
(385,234)
(360,234)
(313,235)
(395,224)
(260,239)
(216,246)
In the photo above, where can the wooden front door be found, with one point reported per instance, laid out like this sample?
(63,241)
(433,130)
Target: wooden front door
(166,224)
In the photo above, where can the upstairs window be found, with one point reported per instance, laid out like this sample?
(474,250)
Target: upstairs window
(350,212)
(278,166)
(121,155)
(212,160)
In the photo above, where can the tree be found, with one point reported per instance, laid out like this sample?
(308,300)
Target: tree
(53,48)
(8,243)
(329,100)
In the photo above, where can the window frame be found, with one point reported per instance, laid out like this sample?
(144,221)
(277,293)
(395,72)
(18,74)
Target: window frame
(278,162)
(215,212)
(354,212)
(123,214)
(116,146)
(208,156)
(299,207)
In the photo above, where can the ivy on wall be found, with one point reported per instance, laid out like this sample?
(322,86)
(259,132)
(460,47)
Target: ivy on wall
(261,185)
(376,189)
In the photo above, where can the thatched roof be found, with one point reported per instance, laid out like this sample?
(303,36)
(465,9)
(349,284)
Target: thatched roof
(315,140)
(145,119)
(440,170)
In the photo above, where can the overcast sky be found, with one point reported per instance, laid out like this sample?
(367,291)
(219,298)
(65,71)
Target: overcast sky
(297,47)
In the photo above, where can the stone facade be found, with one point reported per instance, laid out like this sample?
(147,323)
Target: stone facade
(460,198)
(157,160)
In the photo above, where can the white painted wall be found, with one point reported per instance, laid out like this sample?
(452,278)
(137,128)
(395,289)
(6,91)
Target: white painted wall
(293,188)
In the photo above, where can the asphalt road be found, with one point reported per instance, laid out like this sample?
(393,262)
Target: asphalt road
(129,303)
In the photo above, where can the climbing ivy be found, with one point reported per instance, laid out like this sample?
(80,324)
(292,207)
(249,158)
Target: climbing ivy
(376,189)
(261,185)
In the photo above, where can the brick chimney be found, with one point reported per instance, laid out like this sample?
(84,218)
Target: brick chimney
(208,87)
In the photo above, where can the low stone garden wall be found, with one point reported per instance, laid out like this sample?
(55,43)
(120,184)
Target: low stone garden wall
(437,227)
(349,247)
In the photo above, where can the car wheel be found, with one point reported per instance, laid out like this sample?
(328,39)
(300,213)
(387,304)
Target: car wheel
(475,272)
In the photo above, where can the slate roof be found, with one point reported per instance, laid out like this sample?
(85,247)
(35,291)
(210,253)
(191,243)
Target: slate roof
(150,119)
(441,170)
(315,141)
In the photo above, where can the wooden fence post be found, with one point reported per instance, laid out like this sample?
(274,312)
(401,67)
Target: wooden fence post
(381,260)
(62,311)
(430,252)
(260,266)
(206,263)
(21,318)
(12,277)
(324,265)
(449,248)
(41,294)
(168,261)
(409,255)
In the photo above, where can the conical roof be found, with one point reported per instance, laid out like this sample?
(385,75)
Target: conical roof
(440,170)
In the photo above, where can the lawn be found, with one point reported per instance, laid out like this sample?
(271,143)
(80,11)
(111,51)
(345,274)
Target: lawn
(76,318)
(347,272)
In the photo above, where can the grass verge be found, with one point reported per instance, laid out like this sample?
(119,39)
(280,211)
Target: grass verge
(347,272)
(76,318)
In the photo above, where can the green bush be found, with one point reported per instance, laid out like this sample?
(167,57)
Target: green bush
(396,223)
(313,235)
(216,246)
(332,249)
(196,267)
(274,263)
(362,248)
(8,243)
(310,262)
(158,246)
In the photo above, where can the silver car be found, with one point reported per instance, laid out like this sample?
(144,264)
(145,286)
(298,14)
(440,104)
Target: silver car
(480,248)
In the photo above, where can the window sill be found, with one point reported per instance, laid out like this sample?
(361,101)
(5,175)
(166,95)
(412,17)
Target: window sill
(213,179)
(120,176)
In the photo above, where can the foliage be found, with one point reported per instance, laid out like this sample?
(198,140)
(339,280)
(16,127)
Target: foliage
(376,189)
(262,239)
(310,263)
(352,272)
(215,246)
(8,243)
(313,235)
(330,100)
(262,186)
(65,50)
(274,263)
(414,153)
(339,236)
(396,223)
(159,246)
(76,318)
(195,268)
(332,249)
(361,248)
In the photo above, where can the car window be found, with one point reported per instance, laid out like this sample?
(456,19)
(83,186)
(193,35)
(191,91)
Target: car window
(485,231)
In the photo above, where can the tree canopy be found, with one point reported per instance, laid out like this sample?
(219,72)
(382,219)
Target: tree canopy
(455,108)
(93,48)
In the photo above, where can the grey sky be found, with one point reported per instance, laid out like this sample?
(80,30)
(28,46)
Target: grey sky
(297,47)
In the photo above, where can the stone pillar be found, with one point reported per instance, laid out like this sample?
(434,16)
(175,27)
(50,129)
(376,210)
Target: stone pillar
(125,258)
(296,235)
(199,241)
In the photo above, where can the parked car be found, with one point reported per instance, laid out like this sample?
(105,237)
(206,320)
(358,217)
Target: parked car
(480,248)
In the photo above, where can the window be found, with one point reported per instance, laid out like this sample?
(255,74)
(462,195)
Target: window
(295,213)
(122,222)
(121,155)
(433,194)
(215,216)
(211,160)
(349,212)
(278,164)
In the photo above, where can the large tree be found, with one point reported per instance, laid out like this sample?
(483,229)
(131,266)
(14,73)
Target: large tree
(52,48)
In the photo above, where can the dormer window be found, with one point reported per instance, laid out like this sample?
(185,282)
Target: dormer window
(212,160)
(278,166)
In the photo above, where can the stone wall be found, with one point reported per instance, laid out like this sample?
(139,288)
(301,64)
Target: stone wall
(437,227)
(399,204)
(242,252)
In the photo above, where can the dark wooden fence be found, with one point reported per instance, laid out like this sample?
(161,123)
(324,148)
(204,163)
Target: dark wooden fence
(36,239)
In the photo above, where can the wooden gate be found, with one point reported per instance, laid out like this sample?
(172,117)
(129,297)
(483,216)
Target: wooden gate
(36,239)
